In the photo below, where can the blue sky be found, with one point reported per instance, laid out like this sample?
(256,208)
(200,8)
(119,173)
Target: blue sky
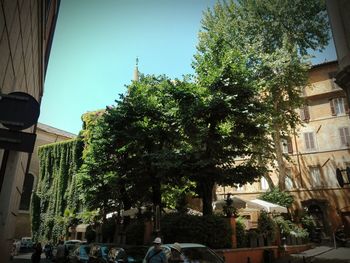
(96,44)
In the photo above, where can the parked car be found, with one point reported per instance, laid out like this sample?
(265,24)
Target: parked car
(80,254)
(135,254)
(127,254)
(192,252)
(71,244)
(99,252)
(117,255)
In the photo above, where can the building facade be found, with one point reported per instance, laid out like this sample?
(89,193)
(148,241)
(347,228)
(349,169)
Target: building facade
(319,147)
(45,135)
(26,33)
(338,13)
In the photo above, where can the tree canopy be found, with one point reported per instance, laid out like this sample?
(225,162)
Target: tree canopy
(275,37)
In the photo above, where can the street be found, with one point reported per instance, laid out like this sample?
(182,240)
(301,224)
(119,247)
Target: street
(26,258)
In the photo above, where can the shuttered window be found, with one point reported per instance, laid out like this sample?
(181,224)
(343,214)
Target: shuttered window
(287,146)
(309,141)
(332,80)
(338,106)
(264,184)
(315,176)
(304,113)
(288,180)
(344,133)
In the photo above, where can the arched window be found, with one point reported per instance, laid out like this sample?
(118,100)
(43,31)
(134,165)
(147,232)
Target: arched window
(26,192)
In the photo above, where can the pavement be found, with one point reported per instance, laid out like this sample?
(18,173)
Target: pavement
(26,258)
(320,254)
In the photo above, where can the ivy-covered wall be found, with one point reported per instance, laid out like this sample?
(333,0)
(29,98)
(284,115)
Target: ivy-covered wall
(57,189)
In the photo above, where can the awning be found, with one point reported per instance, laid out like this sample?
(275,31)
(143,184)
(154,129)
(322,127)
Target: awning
(266,206)
(81,228)
(237,203)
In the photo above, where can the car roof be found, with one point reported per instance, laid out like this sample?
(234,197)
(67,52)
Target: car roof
(186,245)
(72,242)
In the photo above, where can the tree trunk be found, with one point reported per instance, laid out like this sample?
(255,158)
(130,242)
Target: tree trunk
(156,193)
(269,181)
(206,191)
(279,158)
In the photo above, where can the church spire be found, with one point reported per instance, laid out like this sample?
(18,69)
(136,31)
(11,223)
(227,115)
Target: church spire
(136,71)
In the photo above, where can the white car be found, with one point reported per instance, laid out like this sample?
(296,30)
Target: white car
(192,252)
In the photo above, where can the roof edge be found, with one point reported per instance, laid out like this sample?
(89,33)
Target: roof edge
(50,129)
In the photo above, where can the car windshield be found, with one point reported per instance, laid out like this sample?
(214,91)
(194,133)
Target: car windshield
(200,255)
(104,251)
(84,250)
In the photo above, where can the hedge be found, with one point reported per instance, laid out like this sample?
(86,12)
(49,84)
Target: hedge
(212,231)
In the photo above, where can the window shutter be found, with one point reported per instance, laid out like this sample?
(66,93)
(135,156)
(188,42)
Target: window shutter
(306,138)
(342,136)
(302,115)
(311,139)
(347,135)
(289,145)
(346,105)
(306,113)
(331,103)
(332,78)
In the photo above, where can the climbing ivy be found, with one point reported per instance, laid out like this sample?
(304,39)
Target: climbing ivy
(57,189)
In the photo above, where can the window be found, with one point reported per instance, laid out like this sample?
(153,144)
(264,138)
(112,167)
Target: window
(315,176)
(288,180)
(344,133)
(309,141)
(239,188)
(27,192)
(304,113)
(286,145)
(289,183)
(338,106)
(332,79)
(346,165)
(263,184)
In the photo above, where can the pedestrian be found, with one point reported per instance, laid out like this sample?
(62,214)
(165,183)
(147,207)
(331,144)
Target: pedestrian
(48,250)
(61,252)
(175,253)
(36,256)
(156,254)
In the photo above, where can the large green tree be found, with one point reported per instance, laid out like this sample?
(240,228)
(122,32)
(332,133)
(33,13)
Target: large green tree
(98,179)
(134,149)
(275,36)
(223,121)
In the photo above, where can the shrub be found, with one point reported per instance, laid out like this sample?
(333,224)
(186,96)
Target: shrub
(212,231)
(287,227)
(90,234)
(266,226)
(276,196)
(135,233)
(108,229)
(308,223)
(241,235)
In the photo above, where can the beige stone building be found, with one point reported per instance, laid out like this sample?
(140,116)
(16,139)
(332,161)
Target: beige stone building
(45,135)
(318,148)
(26,33)
(338,13)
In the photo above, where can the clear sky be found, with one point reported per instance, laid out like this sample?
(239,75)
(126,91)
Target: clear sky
(96,43)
